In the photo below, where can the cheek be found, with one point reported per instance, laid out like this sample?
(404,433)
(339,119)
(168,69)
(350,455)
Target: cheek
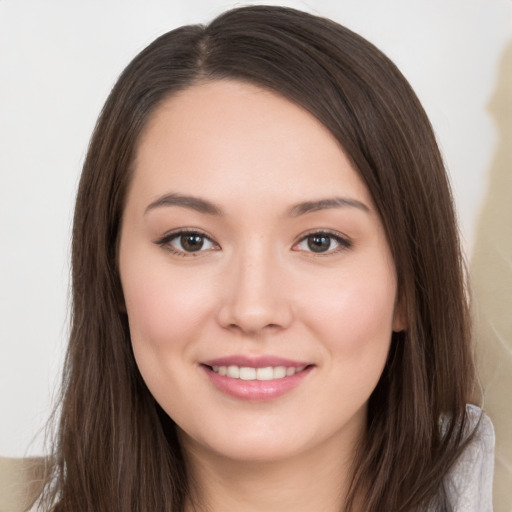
(354,314)
(166,315)
(161,308)
(354,320)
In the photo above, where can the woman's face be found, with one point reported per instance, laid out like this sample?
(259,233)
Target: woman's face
(258,281)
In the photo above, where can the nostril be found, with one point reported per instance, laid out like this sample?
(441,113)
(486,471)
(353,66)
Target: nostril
(268,314)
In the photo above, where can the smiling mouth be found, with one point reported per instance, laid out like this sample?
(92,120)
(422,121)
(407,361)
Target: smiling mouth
(256,379)
(251,373)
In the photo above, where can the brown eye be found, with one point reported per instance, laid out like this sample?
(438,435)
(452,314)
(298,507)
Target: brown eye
(191,242)
(323,242)
(185,243)
(319,243)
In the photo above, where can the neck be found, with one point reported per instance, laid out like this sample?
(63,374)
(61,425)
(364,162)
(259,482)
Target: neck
(306,482)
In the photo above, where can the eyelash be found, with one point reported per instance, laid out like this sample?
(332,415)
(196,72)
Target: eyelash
(165,242)
(343,242)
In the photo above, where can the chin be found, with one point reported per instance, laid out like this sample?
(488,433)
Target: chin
(244,445)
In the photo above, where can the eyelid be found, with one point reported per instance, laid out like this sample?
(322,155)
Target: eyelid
(165,240)
(344,241)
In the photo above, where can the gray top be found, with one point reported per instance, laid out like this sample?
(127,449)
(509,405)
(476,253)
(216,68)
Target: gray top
(469,482)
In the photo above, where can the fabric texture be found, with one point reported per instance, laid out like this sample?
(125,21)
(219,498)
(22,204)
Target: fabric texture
(469,482)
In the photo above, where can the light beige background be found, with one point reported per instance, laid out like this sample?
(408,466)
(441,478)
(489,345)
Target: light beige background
(491,271)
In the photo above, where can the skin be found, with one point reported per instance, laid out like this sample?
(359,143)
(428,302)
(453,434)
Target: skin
(256,288)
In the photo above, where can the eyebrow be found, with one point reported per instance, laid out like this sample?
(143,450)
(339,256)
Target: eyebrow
(191,202)
(209,208)
(325,204)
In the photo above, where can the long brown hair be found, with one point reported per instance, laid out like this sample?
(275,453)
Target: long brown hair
(116,450)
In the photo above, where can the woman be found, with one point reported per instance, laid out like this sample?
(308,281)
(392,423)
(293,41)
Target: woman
(268,295)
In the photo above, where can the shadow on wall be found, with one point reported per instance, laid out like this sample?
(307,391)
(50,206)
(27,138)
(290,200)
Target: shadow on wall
(491,274)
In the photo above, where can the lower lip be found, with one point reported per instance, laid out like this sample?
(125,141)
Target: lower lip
(255,390)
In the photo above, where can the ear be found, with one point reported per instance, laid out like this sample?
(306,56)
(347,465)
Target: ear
(119,295)
(400,316)
(122,306)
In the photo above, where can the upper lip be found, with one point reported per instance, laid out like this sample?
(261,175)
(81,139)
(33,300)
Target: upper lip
(255,361)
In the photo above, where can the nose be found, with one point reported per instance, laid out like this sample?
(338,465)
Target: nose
(255,295)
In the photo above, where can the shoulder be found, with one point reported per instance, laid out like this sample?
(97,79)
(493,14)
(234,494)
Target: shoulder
(469,482)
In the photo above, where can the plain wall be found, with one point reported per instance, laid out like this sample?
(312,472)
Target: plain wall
(58,61)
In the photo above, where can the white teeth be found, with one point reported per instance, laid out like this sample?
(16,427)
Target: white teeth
(279,372)
(233,372)
(265,373)
(249,373)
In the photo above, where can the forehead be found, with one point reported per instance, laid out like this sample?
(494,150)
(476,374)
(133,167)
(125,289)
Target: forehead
(224,137)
